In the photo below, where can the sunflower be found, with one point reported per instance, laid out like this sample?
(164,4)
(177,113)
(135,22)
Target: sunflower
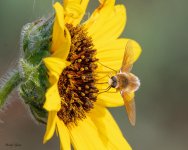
(81,57)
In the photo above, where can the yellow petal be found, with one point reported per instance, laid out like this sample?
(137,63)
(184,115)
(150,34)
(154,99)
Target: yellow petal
(53,78)
(101,1)
(95,22)
(111,27)
(63,48)
(51,124)
(55,65)
(53,100)
(111,54)
(66,2)
(135,47)
(85,136)
(104,2)
(63,135)
(108,129)
(58,28)
(61,39)
(110,99)
(84,4)
(75,10)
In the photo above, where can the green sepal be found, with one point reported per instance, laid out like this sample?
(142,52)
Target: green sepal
(35,45)
(35,39)
(38,113)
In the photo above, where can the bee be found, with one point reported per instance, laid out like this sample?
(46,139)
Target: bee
(127,83)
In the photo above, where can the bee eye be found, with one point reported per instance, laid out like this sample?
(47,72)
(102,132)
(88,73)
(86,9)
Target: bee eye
(114,82)
(113,78)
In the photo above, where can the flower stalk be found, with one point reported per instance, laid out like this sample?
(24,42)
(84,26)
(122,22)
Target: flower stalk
(31,78)
(9,86)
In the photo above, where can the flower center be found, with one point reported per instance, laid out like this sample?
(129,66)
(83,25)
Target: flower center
(76,83)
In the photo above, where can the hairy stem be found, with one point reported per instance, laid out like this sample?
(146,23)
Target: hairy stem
(9,86)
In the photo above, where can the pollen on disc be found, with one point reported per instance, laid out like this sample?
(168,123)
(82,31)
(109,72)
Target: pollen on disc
(76,82)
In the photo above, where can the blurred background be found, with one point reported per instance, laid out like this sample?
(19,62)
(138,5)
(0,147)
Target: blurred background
(162,101)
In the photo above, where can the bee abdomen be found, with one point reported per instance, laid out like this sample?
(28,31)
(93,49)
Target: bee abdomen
(133,83)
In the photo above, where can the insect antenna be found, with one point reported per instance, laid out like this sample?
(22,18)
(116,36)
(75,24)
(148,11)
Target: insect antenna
(101,78)
(108,67)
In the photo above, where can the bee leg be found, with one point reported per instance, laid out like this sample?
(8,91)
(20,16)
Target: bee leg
(105,90)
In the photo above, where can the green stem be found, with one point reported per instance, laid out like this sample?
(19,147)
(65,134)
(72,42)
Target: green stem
(9,86)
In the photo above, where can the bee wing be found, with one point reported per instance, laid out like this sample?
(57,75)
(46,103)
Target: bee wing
(132,51)
(130,106)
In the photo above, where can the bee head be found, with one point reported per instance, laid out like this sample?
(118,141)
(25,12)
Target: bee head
(113,82)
